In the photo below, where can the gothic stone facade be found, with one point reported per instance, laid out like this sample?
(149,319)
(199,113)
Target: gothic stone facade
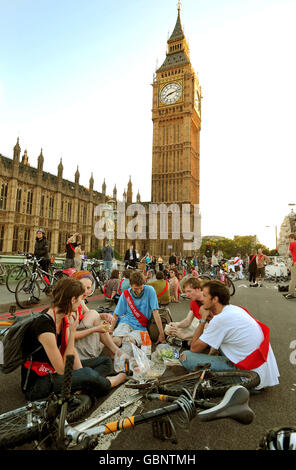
(31,198)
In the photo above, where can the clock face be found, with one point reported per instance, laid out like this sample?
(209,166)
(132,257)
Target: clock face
(171,93)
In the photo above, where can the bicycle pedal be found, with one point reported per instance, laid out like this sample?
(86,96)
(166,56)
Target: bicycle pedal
(164,430)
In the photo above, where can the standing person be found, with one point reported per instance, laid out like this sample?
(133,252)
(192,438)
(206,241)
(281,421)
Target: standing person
(292,252)
(41,249)
(153,264)
(130,257)
(215,263)
(243,341)
(174,286)
(54,332)
(173,259)
(107,256)
(252,268)
(261,259)
(237,264)
(147,260)
(135,308)
(78,257)
(160,263)
(70,250)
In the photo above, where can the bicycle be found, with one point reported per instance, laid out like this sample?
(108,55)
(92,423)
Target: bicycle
(227,281)
(206,382)
(100,275)
(47,422)
(28,290)
(16,273)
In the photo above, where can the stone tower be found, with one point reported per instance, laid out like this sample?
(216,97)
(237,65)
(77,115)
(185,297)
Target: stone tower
(176,116)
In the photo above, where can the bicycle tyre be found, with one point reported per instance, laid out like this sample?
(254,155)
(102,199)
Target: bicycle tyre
(13,424)
(229,284)
(216,383)
(25,299)
(13,428)
(15,274)
(93,288)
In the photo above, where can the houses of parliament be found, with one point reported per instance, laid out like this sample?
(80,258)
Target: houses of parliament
(31,198)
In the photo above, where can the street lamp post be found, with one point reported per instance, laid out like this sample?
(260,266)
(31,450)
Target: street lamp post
(276,235)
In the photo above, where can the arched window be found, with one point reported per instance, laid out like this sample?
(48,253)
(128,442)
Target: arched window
(18,200)
(29,202)
(3,195)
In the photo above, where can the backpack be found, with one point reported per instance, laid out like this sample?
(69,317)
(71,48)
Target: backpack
(11,340)
(166,318)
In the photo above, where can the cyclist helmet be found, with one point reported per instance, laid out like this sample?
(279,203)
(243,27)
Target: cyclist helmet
(283,438)
(41,230)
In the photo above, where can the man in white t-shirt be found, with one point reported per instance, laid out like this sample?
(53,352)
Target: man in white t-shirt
(242,341)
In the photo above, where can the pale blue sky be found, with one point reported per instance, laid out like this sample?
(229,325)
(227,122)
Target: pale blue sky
(75,79)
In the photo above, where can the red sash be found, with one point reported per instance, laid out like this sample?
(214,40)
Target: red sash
(259,356)
(252,259)
(236,261)
(164,290)
(80,313)
(44,368)
(194,306)
(137,314)
(73,249)
(119,291)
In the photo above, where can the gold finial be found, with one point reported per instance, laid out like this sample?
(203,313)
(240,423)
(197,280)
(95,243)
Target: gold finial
(179,6)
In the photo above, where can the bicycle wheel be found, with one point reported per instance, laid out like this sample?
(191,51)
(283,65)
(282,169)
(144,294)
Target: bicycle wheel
(230,285)
(16,428)
(205,277)
(27,293)
(215,384)
(93,288)
(14,275)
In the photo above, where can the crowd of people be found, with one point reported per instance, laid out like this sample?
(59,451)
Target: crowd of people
(212,331)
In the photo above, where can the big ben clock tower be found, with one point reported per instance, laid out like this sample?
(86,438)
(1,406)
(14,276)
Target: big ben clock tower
(176,117)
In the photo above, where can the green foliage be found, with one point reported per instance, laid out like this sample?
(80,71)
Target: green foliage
(242,245)
(98,254)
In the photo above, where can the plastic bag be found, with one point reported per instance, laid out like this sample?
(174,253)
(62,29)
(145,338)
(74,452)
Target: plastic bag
(141,364)
(166,354)
(119,360)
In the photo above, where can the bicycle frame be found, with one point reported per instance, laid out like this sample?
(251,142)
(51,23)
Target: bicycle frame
(233,405)
(45,277)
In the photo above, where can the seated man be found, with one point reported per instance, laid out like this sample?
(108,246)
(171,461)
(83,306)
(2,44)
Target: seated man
(134,310)
(243,341)
(185,329)
(161,287)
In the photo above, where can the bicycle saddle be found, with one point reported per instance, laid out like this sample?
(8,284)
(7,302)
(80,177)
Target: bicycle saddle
(235,405)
